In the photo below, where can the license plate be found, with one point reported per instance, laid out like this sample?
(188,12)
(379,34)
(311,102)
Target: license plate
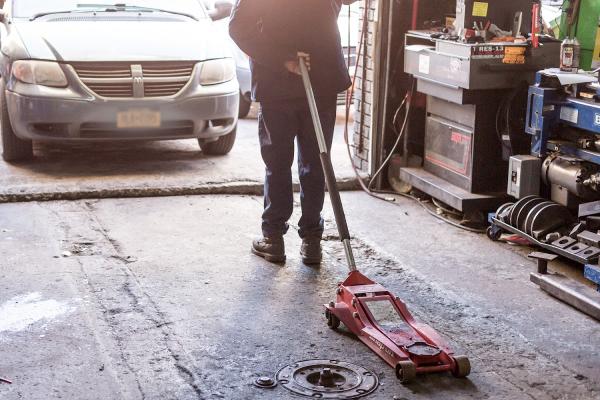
(138,119)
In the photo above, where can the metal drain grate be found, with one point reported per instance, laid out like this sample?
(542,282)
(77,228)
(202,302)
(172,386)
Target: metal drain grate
(327,379)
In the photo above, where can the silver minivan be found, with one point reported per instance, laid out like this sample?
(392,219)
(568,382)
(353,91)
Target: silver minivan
(77,70)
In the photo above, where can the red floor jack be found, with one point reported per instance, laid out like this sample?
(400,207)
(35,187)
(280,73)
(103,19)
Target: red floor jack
(379,319)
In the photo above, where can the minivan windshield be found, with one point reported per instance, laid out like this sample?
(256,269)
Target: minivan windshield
(30,8)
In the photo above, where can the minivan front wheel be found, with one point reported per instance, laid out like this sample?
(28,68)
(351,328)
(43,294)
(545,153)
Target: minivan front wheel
(221,146)
(13,148)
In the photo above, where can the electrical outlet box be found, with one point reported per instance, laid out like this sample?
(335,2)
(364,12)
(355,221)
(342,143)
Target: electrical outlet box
(524,174)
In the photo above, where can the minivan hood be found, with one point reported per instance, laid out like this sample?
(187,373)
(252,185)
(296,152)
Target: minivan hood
(131,40)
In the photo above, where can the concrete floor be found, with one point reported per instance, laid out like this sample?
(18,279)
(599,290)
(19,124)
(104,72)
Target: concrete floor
(120,169)
(159,298)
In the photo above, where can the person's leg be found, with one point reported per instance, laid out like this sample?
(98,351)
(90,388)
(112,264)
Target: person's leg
(278,126)
(312,178)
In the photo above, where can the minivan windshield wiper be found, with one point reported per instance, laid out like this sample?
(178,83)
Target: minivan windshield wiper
(125,7)
(111,8)
(43,14)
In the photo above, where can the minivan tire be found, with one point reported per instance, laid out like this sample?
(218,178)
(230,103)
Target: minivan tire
(221,146)
(13,148)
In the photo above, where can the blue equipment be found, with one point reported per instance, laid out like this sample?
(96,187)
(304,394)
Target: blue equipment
(563,119)
(551,105)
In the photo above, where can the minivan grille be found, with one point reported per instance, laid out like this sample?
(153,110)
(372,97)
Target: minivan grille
(112,89)
(103,70)
(126,80)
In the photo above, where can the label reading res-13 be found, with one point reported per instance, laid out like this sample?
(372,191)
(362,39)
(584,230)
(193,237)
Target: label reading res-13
(487,51)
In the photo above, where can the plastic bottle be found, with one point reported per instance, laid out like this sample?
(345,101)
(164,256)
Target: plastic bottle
(570,51)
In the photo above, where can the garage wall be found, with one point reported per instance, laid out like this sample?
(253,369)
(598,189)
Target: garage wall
(364,91)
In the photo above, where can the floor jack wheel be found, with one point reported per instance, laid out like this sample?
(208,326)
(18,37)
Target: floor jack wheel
(406,371)
(462,368)
(494,233)
(332,321)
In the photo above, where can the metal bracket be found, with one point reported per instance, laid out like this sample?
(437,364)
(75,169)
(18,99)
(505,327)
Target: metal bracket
(542,261)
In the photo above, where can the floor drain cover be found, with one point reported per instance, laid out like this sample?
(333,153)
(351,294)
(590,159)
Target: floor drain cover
(327,379)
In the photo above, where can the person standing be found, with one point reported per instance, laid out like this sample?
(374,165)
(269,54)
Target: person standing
(274,34)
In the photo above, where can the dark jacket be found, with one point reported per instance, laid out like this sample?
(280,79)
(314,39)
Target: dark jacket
(271,32)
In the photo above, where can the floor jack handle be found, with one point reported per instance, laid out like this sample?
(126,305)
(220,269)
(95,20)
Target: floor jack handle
(334,193)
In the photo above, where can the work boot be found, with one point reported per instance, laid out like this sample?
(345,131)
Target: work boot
(271,248)
(311,251)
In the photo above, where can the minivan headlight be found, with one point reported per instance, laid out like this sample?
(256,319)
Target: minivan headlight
(213,72)
(45,73)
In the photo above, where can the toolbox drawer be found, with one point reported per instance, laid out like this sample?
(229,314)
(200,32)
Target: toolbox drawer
(454,65)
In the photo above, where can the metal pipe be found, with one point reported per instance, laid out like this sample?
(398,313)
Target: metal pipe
(334,194)
(312,104)
(415,14)
(349,255)
(380,113)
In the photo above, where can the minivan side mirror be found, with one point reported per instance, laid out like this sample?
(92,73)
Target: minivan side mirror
(221,10)
(2,15)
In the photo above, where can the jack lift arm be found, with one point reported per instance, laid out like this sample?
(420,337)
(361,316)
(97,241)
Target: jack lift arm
(410,347)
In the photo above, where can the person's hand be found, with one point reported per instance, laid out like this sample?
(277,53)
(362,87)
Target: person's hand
(294,66)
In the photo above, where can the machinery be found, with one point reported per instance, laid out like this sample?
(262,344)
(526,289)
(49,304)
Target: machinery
(473,74)
(499,123)
(379,319)
(557,186)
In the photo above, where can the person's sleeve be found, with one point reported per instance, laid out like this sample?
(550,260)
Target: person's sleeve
(247,29)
